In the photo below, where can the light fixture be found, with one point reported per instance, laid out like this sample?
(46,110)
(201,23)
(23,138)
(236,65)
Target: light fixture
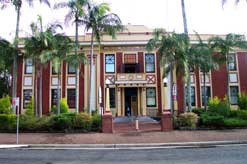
(165,80)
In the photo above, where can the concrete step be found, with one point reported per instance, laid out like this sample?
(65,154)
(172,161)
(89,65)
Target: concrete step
(131,127)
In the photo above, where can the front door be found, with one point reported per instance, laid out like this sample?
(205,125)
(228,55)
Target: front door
(131,102)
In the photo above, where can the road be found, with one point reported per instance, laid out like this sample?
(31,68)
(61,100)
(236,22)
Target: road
(214,155)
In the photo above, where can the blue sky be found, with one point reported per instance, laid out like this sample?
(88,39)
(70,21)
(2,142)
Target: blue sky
(204,16)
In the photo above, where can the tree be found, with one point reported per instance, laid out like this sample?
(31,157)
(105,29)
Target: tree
(76,10)
(7,52)
(226,45)
(223,2)
(99,20)
(172,51)
(17,4)
(203,59)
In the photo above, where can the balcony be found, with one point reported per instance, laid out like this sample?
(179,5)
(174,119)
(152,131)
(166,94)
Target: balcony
(131,79)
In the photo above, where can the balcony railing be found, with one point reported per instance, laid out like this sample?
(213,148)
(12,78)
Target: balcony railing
(131,78)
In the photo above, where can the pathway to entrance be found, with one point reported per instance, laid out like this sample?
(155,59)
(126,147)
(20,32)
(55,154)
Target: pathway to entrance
(128,124)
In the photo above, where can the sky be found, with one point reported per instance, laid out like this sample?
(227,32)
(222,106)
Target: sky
(203,16)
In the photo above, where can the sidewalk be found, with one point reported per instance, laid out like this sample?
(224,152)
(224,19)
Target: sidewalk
(126,138)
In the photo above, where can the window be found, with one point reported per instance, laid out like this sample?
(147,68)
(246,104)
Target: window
(208,94)
(54,97)
(112,97)
(151,97)
(232,62)
(71,69)
(234,95)
(27,97)
(71,98)
(149,63)
(192,95)
(28,66)
(110,63)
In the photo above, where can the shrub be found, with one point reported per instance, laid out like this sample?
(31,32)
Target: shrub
(241,114)
(235,122)
(215,105)
(198,111)
(5,105)
(96,122)
(7,122)
(188,120)
(83,121)
(211,119)
(30,108)
(63,122)
(64,108)
(28,123)
(242,101)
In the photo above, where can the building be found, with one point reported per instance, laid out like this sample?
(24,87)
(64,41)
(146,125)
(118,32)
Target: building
(136,83)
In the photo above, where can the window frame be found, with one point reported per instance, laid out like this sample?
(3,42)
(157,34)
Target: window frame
(113,63)
(69,66)
(234,62)
(234,95)
(148,96)
(68,98)
(28,65)
(149,63)
(208,89)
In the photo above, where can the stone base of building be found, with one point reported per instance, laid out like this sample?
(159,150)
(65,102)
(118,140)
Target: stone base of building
(166,121)
(107,123)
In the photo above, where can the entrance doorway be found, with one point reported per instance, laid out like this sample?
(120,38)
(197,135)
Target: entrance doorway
(131,102)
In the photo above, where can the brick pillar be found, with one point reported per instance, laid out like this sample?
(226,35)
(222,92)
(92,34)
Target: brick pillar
(166,121)
(107,123)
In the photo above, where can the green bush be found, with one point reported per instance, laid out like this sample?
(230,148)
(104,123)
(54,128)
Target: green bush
(5,105)
(241,114)
(28,123)
(63,122)
(198,111)
(188,120)
(64,108)
(83,121)
(235,122)
(7,122)
(96,122)
(215,105)
(30,108)
(210,119)
(242,101)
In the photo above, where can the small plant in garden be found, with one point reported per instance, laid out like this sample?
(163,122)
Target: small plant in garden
(64,108)
(30,108)
(5,105)
(242,101)
(188,120)
(215,105)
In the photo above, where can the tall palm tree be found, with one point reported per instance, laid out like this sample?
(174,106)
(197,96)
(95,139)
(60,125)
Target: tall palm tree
(203,58)
(17,4)
(76,10)
(172,50)
(226,45)
(99,20)
(36,46)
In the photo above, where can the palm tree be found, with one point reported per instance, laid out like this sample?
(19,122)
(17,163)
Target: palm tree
(226,45)
(98,19)
(76,10)
(172,50)
(203,58)
(7,52)
(17,4)
(36,46)
(223,2)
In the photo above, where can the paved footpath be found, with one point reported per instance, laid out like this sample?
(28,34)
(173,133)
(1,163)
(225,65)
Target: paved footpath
(126,138)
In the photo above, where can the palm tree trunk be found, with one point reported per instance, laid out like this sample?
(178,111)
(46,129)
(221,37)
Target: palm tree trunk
(14,87)
(40,90)
(189,91)
(92,80)
(171,90)
(204,84)
(58,89)
(184,17)
(227,85)
(36,92)
(77,69)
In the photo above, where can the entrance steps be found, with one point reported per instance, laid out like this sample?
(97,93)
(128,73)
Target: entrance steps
(128,124)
